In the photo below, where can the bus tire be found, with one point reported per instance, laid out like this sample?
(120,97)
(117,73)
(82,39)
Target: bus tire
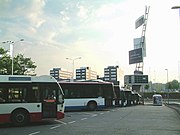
(92,105)
(20,117)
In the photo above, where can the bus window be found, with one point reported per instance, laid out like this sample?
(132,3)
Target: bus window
(2,96)
(33,95)
(16,94)
(49,93)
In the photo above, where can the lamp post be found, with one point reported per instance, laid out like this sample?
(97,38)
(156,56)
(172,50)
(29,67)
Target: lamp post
(73,60)
(176,7)
(167,85)
(11,43)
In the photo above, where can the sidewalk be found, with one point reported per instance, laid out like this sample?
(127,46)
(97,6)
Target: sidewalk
(172,104)
(175,106)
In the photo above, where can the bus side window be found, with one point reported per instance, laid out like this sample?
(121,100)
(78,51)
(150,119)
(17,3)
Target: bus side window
(16,94)
(100,92)
(33,94)
(66,93)
(49,93)
(2,99)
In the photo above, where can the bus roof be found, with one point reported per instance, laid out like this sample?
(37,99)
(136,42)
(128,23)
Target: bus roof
(24,78)
(86,82)
(157,95)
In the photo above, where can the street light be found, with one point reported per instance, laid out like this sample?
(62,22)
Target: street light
(73,60)
(167,85)
(175,7)
(11,43)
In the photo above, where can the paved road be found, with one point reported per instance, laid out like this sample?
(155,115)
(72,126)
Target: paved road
(135,120)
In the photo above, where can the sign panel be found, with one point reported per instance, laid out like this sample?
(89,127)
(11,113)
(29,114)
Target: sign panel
(136,79)
(140,43)
(139,21)
(135,56)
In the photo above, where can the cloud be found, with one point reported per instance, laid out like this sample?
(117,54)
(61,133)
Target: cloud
(35,14)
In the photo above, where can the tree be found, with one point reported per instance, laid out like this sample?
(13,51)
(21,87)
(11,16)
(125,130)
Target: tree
(172,85)
(175,84)
(21,65)
(147,87)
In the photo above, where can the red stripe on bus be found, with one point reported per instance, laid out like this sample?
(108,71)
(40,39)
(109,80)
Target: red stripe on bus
(4,118)
(35,117)
(60,115)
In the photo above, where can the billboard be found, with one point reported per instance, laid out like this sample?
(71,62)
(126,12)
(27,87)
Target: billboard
(140,43)
(135,56)
(136,79)
(139,21)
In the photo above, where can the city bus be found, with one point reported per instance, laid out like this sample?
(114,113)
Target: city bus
(120,96)
(26,99)
(157,99)
(88,95)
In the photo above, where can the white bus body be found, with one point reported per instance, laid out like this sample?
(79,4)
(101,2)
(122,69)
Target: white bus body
(26,99)
(87,95)
(157,99)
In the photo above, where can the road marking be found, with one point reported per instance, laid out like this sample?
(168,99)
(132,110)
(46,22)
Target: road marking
(94,115)
(71,122)
(34,133)
(55,127)
(101,113)
(61,122)
(83,118)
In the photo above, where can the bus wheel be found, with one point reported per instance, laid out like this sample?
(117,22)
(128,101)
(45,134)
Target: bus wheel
(20,117)
(92,105)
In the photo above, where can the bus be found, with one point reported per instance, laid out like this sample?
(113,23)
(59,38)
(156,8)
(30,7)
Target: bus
(126,97)
(26,99)
(88,95)
(120,96)
(157,99)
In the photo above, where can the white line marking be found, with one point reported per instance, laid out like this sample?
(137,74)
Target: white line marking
(71,122)
(55,127)
(94,115)
(83,118)
(61,122)
(101,113)
(34,133)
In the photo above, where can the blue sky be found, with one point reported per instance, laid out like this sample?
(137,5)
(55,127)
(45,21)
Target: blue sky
(99,31)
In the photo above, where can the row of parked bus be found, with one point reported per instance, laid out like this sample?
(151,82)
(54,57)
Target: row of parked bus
(96,94)
(26,99)
(126,97)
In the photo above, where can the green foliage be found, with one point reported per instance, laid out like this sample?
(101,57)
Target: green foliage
(147,87)
(21,64)
(172,85)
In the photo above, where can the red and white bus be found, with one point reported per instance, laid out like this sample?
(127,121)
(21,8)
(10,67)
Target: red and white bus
(26,99)
(89,95)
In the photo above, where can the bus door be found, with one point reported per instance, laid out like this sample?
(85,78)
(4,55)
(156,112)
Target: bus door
(49,104)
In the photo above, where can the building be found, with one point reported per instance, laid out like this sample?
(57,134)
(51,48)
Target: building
(85,73)
(61,74)
(113,74)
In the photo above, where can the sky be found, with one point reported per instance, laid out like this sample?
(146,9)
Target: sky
(101,32)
